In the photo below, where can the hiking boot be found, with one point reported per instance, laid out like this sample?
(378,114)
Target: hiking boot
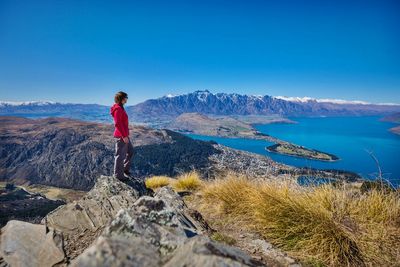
(122,179)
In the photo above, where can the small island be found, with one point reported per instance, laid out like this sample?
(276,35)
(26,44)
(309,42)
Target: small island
(301,151)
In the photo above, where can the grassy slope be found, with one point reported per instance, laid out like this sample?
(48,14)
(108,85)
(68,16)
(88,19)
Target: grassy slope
(321,226)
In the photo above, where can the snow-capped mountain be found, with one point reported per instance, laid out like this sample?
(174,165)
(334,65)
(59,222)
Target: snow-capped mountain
(206,102)
(26,103)
(41,109)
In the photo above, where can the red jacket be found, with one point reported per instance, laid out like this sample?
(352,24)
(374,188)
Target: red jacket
(120,121)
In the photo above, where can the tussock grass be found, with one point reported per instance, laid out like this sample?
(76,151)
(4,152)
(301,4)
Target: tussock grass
(187,182)
(157,182)
(319,225)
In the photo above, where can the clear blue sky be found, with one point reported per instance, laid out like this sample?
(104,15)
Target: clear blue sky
(83,51)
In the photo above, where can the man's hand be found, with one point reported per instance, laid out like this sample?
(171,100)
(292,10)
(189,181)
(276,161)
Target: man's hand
(126,140)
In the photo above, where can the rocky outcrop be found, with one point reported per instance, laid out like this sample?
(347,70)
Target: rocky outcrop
(82,221)
(26,244)
(117,224)
(159,231)
(201,251)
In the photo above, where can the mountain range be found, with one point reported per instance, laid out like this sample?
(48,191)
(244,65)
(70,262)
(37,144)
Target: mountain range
(203,102)
(43,109)
(206,102)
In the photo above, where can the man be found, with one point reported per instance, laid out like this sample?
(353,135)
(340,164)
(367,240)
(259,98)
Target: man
(123,145)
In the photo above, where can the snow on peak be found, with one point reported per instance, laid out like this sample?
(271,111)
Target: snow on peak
(296,99)
(26,103)
(323,100)
(202,95)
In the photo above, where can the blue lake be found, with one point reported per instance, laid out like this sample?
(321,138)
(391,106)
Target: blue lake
(349,138)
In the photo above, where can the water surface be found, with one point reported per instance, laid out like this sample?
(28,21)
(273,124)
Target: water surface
(349,138)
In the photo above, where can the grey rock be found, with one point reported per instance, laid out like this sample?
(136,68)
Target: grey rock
(95,209)
(191,219)
(200,251)
(83,220)
(151,224)
(119,252)
(273,253)
(158,231)
(26,244)
(157,221)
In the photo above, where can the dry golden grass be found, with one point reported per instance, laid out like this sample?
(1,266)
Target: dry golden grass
(320,225)
(157,182)
(187,182)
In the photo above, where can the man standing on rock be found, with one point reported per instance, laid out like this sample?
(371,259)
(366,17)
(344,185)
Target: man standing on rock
(123,145)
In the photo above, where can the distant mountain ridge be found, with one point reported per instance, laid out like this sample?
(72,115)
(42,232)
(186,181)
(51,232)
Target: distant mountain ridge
(26,103)
(203,102)
(44,109)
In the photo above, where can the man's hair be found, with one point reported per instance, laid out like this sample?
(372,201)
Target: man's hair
(120,96)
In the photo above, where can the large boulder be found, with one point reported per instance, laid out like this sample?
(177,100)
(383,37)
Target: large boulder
(83,220)
(25,244)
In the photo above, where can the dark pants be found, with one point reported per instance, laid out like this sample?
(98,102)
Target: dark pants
(122,158)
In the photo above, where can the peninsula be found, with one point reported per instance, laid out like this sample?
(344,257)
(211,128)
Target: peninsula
(301,151)
(394,118)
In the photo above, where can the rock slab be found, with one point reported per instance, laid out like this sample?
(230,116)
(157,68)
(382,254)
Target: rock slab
(25,244)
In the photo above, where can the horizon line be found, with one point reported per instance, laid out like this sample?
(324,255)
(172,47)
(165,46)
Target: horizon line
(298,99)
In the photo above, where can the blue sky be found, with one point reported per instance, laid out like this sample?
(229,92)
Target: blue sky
(84,51)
